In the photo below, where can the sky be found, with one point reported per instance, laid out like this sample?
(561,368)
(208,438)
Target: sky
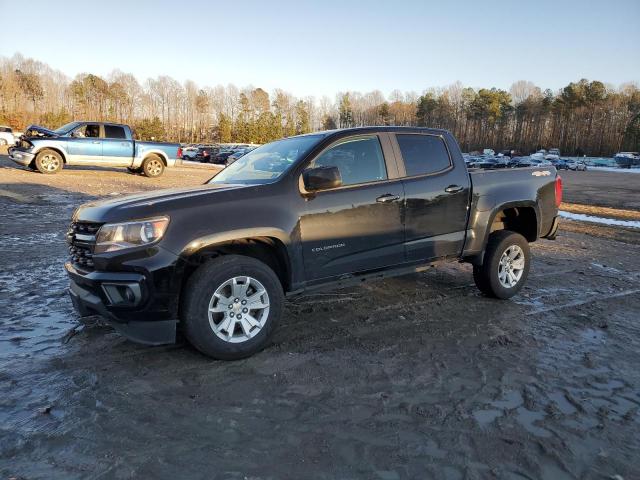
(323,47)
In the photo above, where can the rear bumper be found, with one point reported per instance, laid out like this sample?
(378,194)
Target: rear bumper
(126,301)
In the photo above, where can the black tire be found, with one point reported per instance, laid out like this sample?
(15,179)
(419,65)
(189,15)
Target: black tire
(48,161)
(153,166)
(199,291)
(487,276)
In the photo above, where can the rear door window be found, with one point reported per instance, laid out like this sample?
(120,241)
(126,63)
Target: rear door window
(423,154)
(114,131)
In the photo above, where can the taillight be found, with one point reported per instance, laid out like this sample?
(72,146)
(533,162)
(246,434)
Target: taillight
(558,190)
(179,152)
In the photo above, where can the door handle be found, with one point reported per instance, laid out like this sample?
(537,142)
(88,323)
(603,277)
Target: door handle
(96,141)
(388,197)
(453,189)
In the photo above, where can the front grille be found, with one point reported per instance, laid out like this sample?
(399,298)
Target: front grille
(82,238)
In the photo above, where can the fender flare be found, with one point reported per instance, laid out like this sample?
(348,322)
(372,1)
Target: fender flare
(220,238)
(210,242)
(518,203)
(476,257)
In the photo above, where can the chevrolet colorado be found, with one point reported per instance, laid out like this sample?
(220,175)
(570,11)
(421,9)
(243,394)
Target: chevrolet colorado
(311,211)
(93,144)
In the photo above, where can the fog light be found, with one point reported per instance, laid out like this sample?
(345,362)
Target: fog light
(122,294)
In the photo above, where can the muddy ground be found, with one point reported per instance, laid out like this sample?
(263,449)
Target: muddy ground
(413,377)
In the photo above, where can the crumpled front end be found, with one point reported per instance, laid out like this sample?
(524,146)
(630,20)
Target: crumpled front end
(22,154)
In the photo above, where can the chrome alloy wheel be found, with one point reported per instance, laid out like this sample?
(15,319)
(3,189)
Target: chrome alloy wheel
(238,309)
(50,162)
(154,167)
(511,266)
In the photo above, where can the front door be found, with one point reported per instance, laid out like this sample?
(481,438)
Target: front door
(85,144)
(356,227)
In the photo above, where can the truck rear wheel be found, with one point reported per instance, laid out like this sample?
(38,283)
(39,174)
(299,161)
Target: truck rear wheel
(48,161)
(231,307)
(153,166)
(505,267)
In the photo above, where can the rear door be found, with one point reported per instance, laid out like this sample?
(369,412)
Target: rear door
(358,226)
(436,196)
(85,144)
(117,149)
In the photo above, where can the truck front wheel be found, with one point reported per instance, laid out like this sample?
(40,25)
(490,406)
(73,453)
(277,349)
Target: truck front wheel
(48,161)
(505,266)
(153,166)
(231,307)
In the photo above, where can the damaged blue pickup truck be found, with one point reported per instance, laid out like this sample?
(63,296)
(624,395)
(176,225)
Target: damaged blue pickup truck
(95,144)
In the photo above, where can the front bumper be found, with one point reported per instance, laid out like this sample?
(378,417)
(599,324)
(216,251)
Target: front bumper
(21,157)
(128,300)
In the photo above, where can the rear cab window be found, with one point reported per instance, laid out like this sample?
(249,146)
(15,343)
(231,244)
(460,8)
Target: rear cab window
(114,131)
(423,154)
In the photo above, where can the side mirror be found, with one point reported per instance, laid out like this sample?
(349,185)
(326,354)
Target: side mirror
(76,134)
(321,178)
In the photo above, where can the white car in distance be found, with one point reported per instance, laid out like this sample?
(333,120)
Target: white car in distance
(7,138)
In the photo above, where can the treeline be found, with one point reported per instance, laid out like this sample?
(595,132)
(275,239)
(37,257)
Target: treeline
(585,117)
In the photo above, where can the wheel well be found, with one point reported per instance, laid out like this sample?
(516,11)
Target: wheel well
(268,250)
(57,150)
(517,219)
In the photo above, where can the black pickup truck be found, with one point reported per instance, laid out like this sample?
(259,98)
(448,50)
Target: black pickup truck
(325,209)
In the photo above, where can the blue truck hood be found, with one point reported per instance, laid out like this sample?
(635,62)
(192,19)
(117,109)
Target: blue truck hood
(40,131)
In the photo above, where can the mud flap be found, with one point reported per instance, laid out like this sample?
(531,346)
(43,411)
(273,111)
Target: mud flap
(554,229)
(160,332)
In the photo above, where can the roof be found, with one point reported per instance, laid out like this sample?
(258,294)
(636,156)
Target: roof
(380,128)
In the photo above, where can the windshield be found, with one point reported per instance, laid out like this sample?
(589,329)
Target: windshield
(267,163)
(66,128)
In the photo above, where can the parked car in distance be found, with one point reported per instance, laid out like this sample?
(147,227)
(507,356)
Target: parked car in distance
(97,144)
(559,163)
(203,154)
(221,157)
(576,165)
(541,162)
(7,138)
(320,210)
(238,154)
(489,163)
(517,162)
(189,153)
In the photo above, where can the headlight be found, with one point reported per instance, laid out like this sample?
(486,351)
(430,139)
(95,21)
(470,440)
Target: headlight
(118,236)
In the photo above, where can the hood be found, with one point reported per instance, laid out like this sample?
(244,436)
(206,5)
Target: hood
(148,204)
(38,131)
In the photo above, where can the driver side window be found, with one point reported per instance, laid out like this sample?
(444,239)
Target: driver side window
(359,160)
(87,131)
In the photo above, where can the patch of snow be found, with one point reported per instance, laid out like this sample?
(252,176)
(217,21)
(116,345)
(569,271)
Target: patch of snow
(615,169)
(601,220)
